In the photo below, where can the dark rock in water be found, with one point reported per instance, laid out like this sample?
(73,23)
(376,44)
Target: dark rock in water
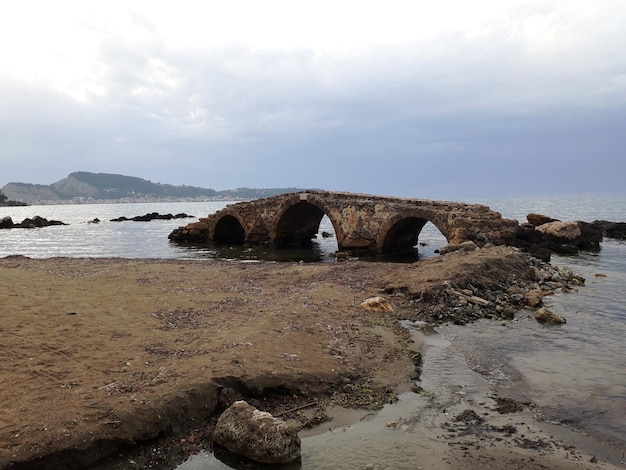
(543,315)
(6,222)
(257,435)
(152,216)
(611,229)
(35,222)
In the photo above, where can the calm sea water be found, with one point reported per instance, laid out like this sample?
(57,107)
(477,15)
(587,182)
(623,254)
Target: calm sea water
(574,373)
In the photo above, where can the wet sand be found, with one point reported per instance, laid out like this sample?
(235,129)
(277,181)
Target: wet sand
(100,355)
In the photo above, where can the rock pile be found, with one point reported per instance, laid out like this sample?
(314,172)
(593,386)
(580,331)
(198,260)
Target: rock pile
(513,295)
(497,289)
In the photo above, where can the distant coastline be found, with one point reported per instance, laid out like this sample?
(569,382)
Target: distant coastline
(104,188)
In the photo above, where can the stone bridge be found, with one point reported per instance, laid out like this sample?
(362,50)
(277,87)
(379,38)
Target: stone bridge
(362,223)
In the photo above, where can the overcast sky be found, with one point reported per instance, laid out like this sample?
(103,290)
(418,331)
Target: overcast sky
(443,99)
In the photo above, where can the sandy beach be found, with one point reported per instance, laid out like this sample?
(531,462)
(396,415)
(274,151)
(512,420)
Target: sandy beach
(101,355)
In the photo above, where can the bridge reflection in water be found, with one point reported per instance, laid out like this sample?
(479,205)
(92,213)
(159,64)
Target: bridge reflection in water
(362,224)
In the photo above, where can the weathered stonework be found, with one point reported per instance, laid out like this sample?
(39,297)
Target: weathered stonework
(365,223)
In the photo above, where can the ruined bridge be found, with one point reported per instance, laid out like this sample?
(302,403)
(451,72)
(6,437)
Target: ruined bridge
(362,223)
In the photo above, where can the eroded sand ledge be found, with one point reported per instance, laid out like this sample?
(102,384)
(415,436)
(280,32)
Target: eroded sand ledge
(99,354)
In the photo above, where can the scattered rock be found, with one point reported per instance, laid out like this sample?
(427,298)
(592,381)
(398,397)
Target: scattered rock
(469,416)
(377,304)
(533,297)
(543,315)
(257,435)
(508,313)
(508,405)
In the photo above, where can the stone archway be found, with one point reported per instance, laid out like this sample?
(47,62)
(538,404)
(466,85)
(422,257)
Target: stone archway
(228,230)
(401,232)
(402,235)
(298,225)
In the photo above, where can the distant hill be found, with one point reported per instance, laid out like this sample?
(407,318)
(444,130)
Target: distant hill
(85,187)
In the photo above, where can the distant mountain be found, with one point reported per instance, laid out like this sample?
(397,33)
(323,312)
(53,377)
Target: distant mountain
(85,187)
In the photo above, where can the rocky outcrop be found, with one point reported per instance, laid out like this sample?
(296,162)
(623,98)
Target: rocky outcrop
(257,435)
(611,229)
(555,236)
(35,222)
(195,232)
(151,216)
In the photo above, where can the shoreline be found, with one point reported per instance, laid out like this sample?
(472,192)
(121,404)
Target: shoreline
(133,349)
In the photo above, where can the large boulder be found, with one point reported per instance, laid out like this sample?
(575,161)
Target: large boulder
(560,231)
(543,315)
(539,219)
(376,304)
(257,435)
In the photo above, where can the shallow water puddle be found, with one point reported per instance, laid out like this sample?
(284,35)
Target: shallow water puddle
(405,434)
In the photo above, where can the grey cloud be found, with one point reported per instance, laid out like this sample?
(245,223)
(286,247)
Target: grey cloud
(452,116)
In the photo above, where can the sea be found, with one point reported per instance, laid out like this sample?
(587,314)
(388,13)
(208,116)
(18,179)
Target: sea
(574,374)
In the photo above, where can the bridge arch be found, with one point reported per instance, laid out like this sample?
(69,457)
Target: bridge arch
(401,232)
(298,221)
(229,229)
(361,222)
